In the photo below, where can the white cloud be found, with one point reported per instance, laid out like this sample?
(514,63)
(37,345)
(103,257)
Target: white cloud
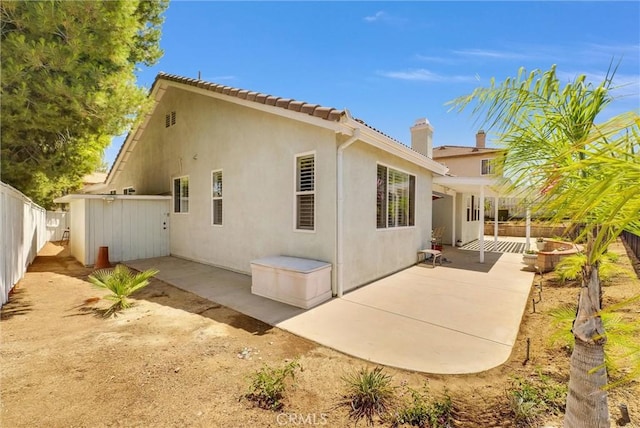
(424,75)
(436,59)
(379,16)
(383,17)
(486,53)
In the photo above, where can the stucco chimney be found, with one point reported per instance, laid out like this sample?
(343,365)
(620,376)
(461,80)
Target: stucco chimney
(422,137)
(481,139)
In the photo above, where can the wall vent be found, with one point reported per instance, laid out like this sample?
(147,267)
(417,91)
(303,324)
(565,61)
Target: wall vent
(170,119)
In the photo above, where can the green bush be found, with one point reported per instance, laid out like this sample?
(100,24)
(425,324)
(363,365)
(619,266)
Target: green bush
(269,383)
(121,282)
(530,398)
(422,411)
(368,394)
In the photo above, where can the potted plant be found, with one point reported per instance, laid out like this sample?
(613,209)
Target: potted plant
(530,258)
(540,244)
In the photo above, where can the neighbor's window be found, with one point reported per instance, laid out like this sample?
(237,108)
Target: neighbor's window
(216,194)
(181,195)
(112,192)
(305,210)
(488,167)
(128,191)
(395,201)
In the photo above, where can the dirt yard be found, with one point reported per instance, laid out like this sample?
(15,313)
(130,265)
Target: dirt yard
(177,360)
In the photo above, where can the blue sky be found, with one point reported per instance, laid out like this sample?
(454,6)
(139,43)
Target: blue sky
(390,63)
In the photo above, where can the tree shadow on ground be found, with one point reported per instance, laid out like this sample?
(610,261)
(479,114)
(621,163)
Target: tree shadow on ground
(17,305)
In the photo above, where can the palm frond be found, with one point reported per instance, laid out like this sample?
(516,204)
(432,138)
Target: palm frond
(121,282)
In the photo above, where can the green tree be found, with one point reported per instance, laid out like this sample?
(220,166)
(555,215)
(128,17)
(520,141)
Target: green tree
(68,86)
(575,170)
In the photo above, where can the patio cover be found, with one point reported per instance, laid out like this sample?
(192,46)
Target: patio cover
(492,187)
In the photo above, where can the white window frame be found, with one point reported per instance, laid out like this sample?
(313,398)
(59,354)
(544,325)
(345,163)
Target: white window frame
(411,203)
(297,193)
(113,191)
(125,190)
(173,181)
(217,198)
(490,166)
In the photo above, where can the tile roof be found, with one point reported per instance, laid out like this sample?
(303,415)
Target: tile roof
(315,110)
(327,113)
(450,151)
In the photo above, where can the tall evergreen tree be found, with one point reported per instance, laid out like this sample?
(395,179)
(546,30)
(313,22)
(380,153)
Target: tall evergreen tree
(68,86)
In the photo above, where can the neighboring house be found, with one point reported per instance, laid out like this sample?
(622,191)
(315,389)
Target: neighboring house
(459,207)
(463,161)
(480,161)
(253,175)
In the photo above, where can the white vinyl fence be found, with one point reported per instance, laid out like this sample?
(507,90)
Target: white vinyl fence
(57,222)
(22,235)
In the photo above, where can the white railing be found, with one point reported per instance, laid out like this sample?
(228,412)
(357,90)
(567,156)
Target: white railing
(22,234)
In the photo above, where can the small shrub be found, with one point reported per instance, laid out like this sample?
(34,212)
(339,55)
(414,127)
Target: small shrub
(369,394)
(415,411)
(269,383)
(423,411)
(122,283)
(442,412)
(530,398)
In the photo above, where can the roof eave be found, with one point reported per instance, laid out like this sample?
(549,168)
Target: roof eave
(381,141)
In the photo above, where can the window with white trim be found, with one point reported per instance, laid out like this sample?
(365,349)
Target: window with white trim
(395,198)
(128,191)
(487,167)
(305,192)
(112,191)
(216,198)
(181,194)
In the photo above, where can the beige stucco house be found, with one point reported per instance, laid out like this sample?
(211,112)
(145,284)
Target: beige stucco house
(253,175)
(469,161)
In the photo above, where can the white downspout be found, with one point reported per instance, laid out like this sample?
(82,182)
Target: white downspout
(340,208)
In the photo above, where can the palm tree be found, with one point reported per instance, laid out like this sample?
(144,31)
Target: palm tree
(121,282)
(575,170)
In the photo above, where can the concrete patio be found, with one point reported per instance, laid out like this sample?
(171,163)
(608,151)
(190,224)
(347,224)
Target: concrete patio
(462,317)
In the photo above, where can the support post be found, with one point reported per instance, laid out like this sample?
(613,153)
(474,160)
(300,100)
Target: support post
(481,227)
(453,220)
(528,228)
(495,225)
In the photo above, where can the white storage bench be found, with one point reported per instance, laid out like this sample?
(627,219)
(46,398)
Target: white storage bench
(298,282)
